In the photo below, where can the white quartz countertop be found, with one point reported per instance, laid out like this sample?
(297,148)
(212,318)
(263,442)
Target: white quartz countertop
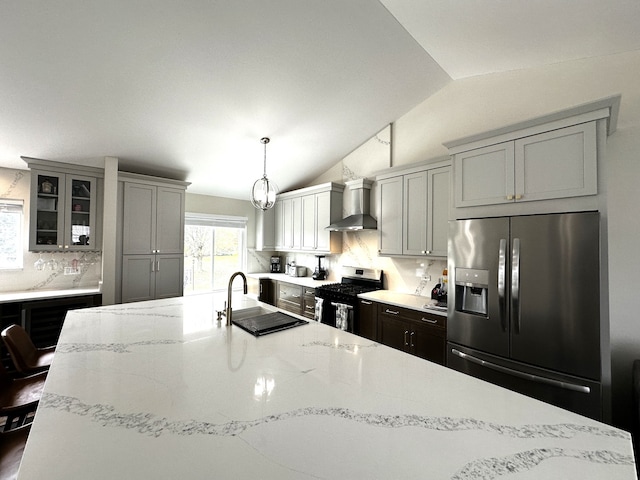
(414,302)
(46,294)
(161,390)
(281,277)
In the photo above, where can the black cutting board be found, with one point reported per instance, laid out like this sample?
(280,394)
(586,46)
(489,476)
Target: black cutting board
(268,323)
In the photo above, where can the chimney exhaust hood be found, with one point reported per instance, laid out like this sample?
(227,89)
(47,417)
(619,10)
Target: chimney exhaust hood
(359,219)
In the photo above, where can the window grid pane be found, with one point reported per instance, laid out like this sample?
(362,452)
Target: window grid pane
(212,253)
(10,234)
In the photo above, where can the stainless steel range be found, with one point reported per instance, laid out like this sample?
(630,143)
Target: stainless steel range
(337,303)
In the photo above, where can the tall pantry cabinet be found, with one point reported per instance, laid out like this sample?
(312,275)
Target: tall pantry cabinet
(152,237)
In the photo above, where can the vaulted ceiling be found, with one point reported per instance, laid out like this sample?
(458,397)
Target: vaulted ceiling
(187,89)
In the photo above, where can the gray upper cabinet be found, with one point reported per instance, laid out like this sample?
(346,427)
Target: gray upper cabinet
(139,230)
(153,219)
(300,218)
(64,206)
(309,229)
(557,164)
(266,229)
(413,205)
(390,191)
(170,224)
(547,164)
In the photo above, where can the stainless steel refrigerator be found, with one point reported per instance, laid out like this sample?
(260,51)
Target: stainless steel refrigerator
(524,305)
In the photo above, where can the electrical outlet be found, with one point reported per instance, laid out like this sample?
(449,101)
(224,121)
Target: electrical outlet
(426,278)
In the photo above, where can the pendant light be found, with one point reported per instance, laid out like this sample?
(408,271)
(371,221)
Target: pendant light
(263,193)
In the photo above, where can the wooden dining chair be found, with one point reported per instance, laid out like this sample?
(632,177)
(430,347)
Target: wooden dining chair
(12,445)
(26,357)
(19,397)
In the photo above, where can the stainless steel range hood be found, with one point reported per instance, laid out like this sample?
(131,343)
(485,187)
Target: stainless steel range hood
(360,192)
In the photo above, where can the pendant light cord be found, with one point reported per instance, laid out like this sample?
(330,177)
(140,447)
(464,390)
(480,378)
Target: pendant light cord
(264,141)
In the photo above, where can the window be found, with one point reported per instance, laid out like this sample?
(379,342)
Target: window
(10,234)
(214,248)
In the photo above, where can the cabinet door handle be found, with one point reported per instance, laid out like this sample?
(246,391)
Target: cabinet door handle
(509,197)
(365,302)
(390,312)
(406,343)
(411,338)
(260,289)
(310,307)
(429,320)
(518,197)
(158,266)
(295,296)
(153,266)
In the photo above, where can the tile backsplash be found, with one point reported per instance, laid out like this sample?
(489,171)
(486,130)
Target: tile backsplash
(404,275)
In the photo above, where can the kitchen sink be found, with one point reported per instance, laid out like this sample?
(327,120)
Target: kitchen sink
(259,321)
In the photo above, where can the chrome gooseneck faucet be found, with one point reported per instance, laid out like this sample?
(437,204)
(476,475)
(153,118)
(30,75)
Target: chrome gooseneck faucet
(244,279)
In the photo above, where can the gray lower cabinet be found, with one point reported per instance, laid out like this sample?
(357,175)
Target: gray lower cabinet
(149,277)
(289,297)
(152,237)
(309,302)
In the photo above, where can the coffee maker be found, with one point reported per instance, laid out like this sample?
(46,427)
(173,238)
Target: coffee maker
(319,273)
(275,265)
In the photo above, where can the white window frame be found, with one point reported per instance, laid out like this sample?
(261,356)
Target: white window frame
(215,220)
(14,240)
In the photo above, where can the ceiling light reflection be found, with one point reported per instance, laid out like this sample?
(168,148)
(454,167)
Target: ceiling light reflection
(263,387)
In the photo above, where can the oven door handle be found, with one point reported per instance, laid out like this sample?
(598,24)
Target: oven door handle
(346,305)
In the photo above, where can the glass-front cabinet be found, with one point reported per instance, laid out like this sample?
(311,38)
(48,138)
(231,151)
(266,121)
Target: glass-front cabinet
(63,212)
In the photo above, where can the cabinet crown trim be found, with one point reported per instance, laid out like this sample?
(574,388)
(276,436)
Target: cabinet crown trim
(150,180)
(323,187)
(413,168)
(606,108)
(40,164)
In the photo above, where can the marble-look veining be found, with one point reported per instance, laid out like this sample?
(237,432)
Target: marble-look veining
(149,424)
(351,347)
(169,391)
(109,347)
(488,469)
(18,175)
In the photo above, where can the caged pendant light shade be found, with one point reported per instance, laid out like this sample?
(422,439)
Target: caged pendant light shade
(264,191)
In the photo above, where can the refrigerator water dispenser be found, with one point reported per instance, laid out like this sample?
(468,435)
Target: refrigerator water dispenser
(472,287)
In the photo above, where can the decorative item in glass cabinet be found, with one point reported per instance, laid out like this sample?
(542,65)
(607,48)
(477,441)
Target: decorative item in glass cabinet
(264,191)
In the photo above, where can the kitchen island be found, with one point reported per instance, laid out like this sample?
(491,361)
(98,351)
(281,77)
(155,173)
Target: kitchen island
(160,389)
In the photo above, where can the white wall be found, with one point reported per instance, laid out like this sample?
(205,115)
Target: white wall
(477,104)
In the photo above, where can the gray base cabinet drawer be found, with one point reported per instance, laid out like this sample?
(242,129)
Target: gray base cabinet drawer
(290,297)
(309,302)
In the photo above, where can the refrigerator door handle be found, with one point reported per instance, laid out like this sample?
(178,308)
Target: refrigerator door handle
(527,376)
(515,284)
(502,273)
